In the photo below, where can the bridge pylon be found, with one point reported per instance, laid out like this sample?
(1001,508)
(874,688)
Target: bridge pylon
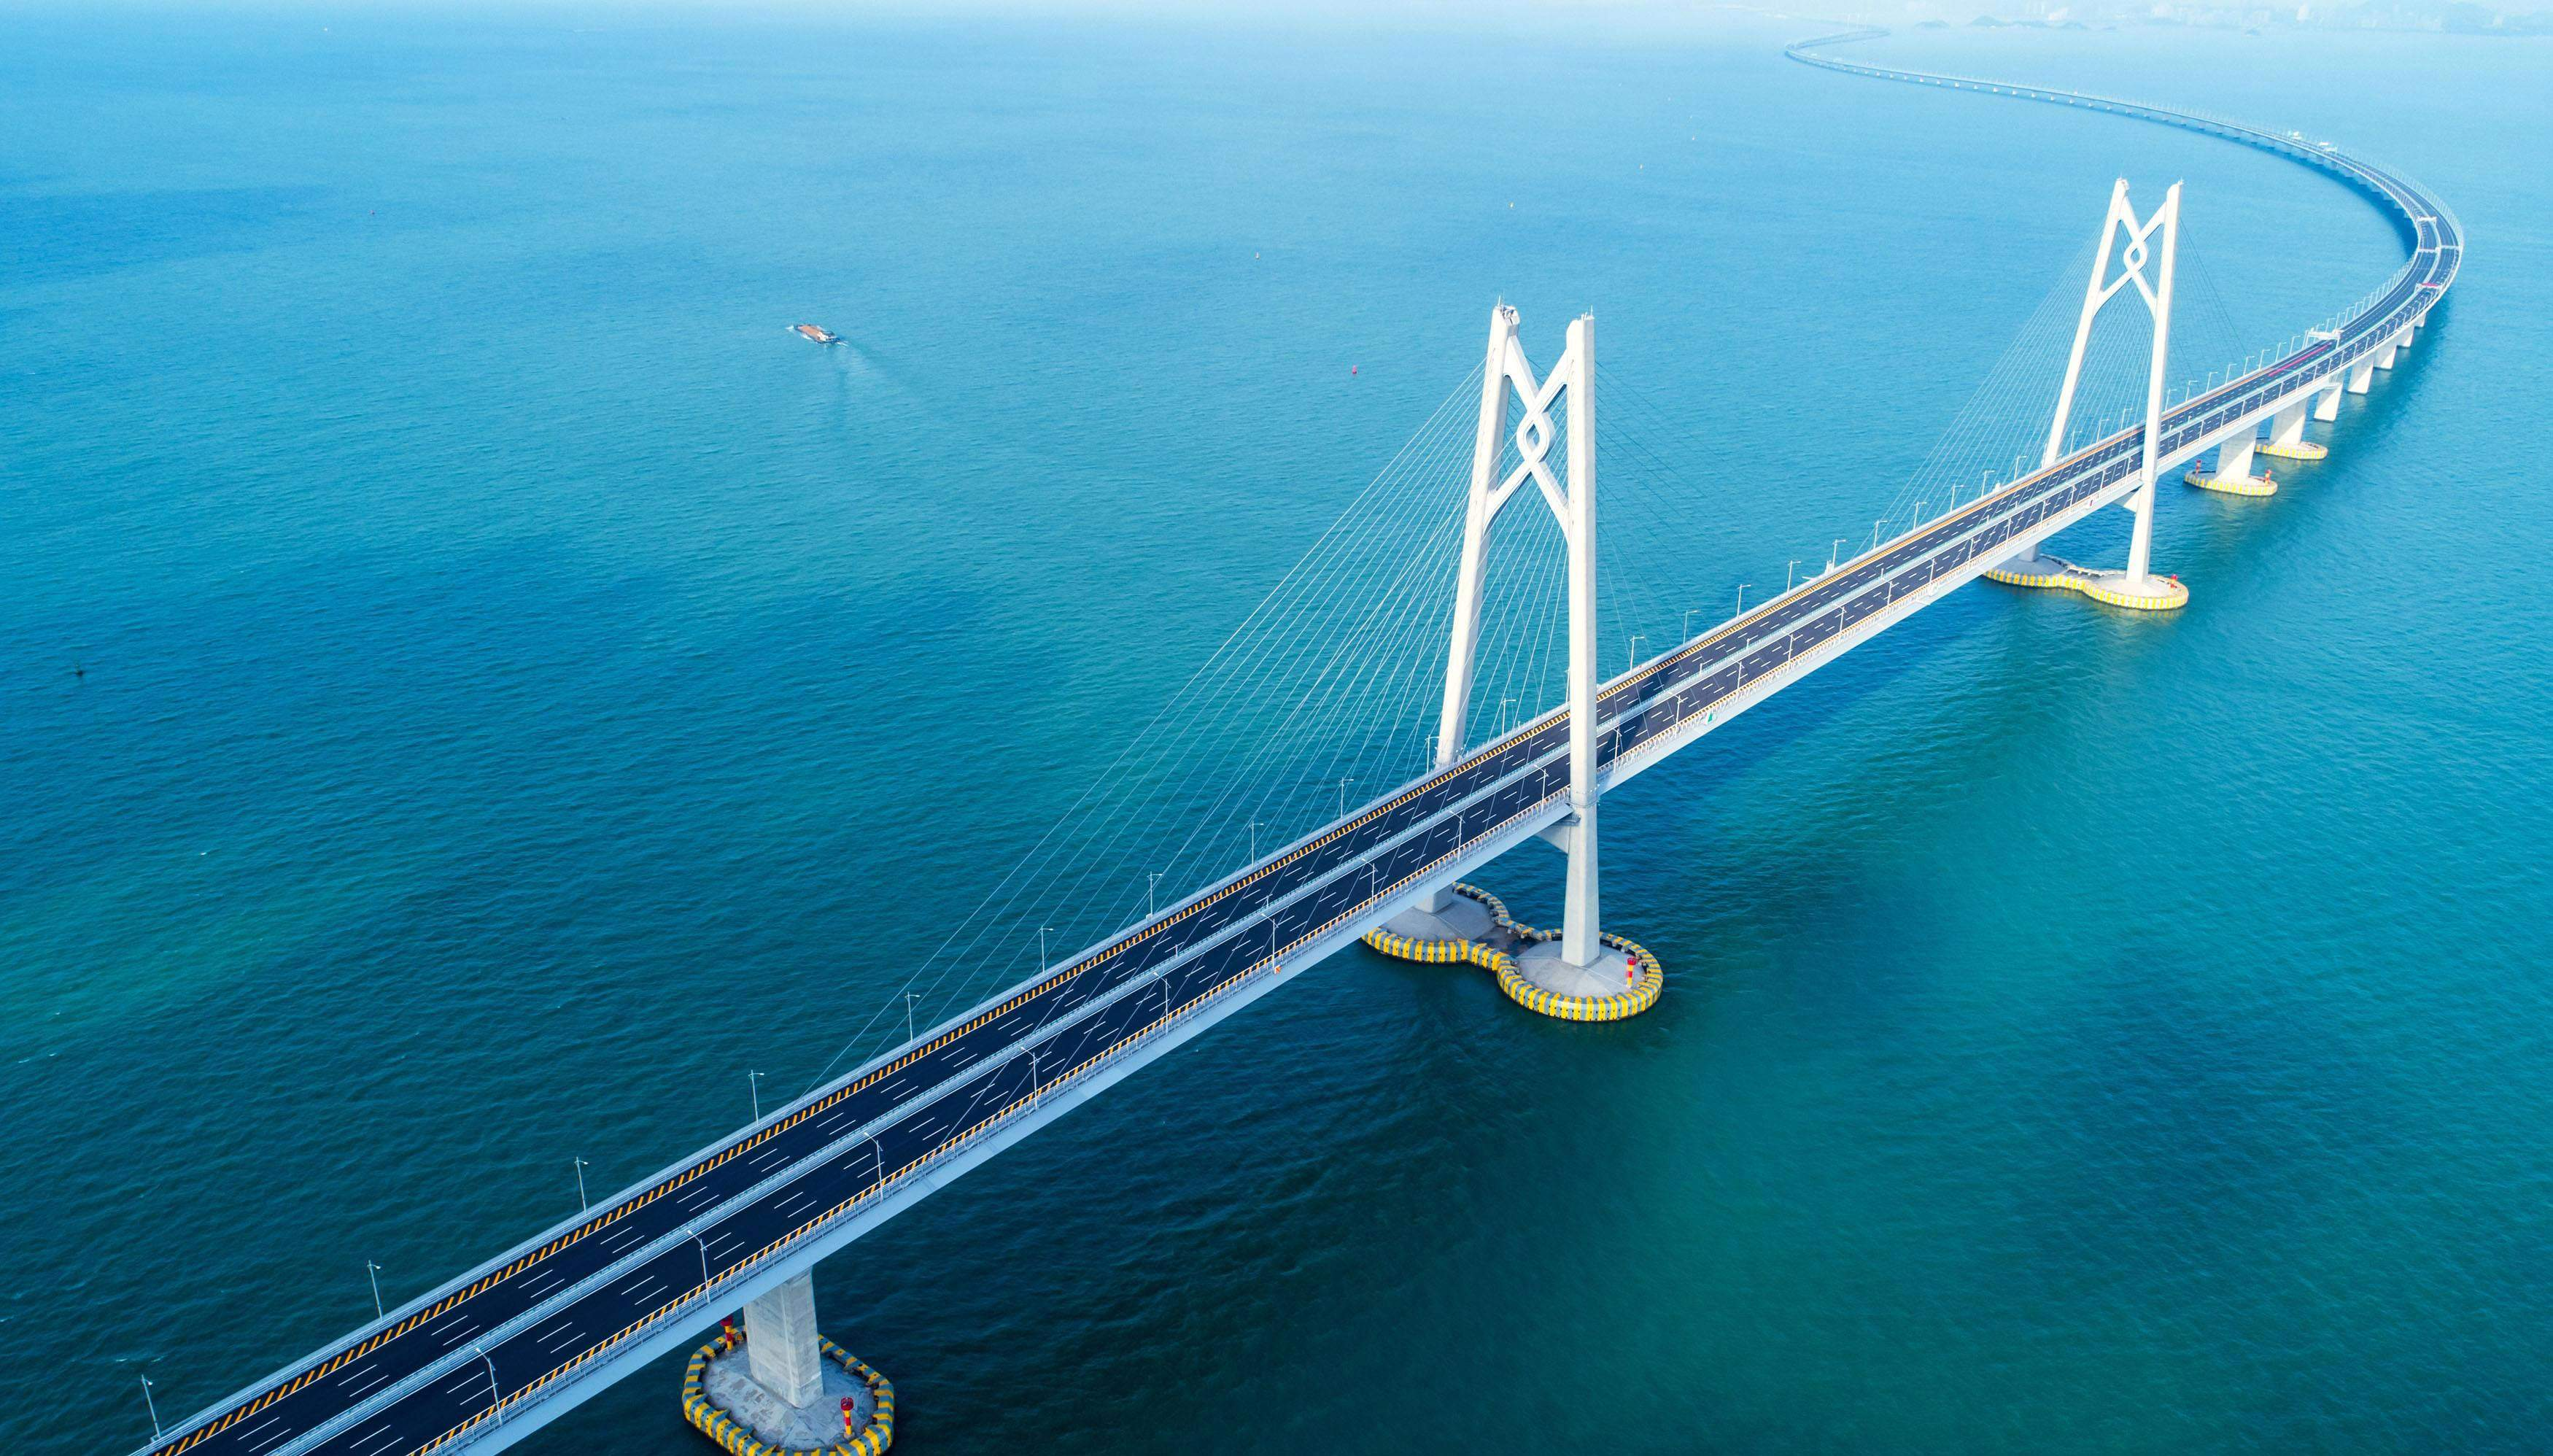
(2145,261)
(1581,973)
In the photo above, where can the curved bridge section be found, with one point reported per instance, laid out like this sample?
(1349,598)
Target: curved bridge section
(2435,237)
(512,1344)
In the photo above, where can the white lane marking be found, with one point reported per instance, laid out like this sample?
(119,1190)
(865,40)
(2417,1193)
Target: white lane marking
(641,1288)
(378,1376)
(557,1339)
(269,1439)
(621,1239)
(801,1196)
(376,1441)
(695,1192)
(469,1381)
(759,1159)
(958,1056)
(538,1283)
(461,1333)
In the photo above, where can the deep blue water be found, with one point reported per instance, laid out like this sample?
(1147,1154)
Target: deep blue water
(470,688)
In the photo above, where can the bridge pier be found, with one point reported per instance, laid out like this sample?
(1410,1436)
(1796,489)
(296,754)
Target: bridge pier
(780,1342)
(2287,433)
(2327,403)
(2233,472)
(791,1390)
(2361,375)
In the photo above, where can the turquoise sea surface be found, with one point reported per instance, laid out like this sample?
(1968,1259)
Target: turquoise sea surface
(473,687)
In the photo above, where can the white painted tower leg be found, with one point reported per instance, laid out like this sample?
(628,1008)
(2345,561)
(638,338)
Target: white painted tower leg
(1488,495)
(2027,564)
(2159,301)
(1580,945)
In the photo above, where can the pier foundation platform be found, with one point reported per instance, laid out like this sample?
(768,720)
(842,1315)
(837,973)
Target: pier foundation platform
(768,1385)
(1471,926)
(2056,573)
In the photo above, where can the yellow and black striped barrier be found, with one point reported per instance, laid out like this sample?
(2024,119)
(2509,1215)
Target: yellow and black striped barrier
(2232,485)
(2072,577)
(1648,978)
(733,1437)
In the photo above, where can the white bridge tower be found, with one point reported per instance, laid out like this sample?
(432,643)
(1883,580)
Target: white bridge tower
(1582,974)
(2145,261)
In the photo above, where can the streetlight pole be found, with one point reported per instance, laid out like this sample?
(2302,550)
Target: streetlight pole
(1686,631)
(753,1081)
(1833,550)
(1342,796)
(581,1204)
(1636,639)
(373,1272)
(911,996)
(1742,596)
(1149,882)
(1786,574)
(152,1405)
(496,1390)
(1041,930)
(1253,844)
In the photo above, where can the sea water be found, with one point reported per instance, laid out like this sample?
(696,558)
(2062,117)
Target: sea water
(473,689)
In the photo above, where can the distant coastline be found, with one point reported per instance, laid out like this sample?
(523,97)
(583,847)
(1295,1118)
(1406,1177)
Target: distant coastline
(2432,17)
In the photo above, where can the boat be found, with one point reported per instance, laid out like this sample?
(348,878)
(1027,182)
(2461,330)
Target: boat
(819,335)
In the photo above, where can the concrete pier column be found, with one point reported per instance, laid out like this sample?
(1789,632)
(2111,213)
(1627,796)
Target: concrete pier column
(2234,456)
(2287,426)
(2384,356)
(780,1342)
(2327,405)
(2361,375)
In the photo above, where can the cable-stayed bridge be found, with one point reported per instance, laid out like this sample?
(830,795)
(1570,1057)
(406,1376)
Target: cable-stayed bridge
(510,1345)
